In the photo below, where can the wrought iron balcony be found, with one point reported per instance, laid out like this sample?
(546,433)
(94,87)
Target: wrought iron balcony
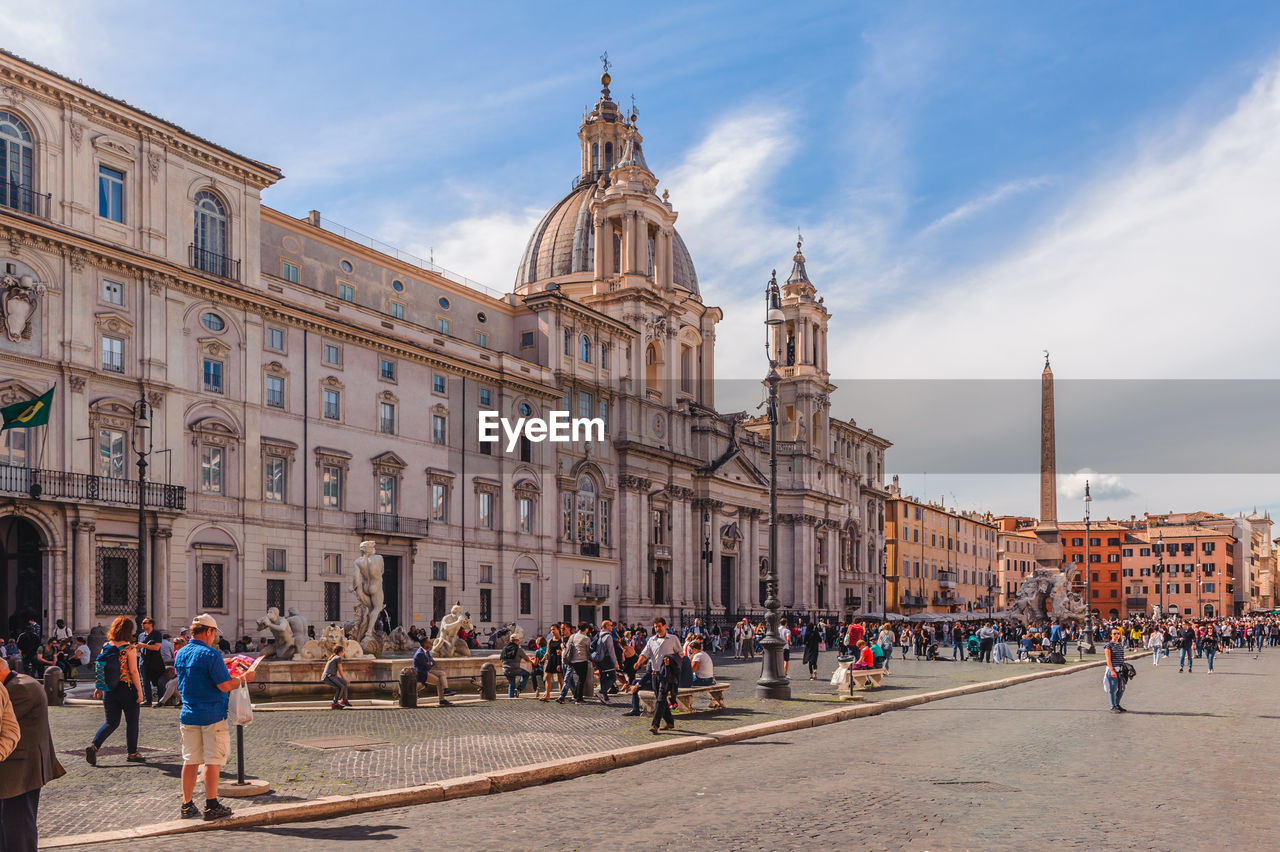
(947,579)
(913,600)
(212,263)
(64,485)
(853,601)
(591,591)
(23,199)
(398,525)
(588,548)
(1138,604)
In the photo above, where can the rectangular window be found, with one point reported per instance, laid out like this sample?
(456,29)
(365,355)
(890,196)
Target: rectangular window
(331,487)
(486,448)
(332,404)
(604,415)
(438,435)
(482,339)
(275,391)
(112,292)
(439,570)
(212,376)
(526,340)
(486,605)
(486,573)
(210,470)
(486,397)
(276,560)
(289,271)
(332,602)
(386,370)
(604,521)
(275,597)
(484,510)
(273,480)
(526,514)
(275,338)
(443,325)
(437,384)
(526,598)
(386,418)
(333,354)
(386,495)
(211,585)
(112,354)
(568,342)
(331,563)
(397,310)
(117,568)
(584,404)
(440,503)
(346,292)
(111,453)
(13,447)
(111,194)
(604,356)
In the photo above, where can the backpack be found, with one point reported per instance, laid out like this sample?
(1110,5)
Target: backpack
(106,670)
(598,653)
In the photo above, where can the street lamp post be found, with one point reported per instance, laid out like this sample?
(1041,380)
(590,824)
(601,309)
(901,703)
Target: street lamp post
(1160,571)
(1088,575)
(706,559)
(142,448)
(772,683)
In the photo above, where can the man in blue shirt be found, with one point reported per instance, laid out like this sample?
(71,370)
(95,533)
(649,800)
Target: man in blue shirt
(203,682)
(424,663)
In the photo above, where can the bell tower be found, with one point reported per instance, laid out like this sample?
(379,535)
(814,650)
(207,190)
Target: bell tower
(603,133)
(801,341)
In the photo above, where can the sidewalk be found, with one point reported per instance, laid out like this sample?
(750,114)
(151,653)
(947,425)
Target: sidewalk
(405,748)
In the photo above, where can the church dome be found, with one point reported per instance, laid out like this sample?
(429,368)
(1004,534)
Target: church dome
(563,243)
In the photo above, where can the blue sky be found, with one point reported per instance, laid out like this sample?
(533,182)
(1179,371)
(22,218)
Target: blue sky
(975,181)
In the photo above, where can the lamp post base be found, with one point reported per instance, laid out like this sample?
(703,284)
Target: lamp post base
(772,683)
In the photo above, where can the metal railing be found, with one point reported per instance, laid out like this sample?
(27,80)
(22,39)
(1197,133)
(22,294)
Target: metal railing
(86,487)
(593,591)
(213,263)
(24,199)
(588,548)
(913,600)
(391,524)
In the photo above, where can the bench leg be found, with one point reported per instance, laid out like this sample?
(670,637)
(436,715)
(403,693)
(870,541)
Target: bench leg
(717,700)
(647,705)
(685,703)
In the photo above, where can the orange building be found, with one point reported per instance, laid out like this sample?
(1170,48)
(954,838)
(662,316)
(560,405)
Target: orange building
(938,559)
(1015,556)
(1106,542)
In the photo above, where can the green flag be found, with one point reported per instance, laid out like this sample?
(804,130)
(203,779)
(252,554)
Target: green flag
(28,413)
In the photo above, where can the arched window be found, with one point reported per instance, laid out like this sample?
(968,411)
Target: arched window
(584,349)
(608,156)
(586,510)
(210,236)
(652,365)
(16,157)
(595,156)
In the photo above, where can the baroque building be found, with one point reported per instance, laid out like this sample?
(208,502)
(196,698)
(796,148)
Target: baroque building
(313,388)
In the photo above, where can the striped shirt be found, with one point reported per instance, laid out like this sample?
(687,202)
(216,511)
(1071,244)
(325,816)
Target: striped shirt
(1117,653)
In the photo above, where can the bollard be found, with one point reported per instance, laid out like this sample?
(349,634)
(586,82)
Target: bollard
(408,687)
(53,686)
(589,682)
(240,788)
(488,682)
(240,755)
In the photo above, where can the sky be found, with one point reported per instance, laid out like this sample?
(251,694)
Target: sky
(975,183)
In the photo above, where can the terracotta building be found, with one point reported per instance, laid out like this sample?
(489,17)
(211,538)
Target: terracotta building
(939,559)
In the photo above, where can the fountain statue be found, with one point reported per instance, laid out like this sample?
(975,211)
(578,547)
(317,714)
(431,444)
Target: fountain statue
(448,644)
(285,646)
(366,582)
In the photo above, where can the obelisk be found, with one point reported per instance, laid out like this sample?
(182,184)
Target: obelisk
(1049,546)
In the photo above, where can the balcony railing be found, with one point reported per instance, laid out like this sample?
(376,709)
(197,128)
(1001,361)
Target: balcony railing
(214,264)
(913,600)
(24,199)
(399,525)
(853,602)
(85,487)
(591,591)
(1138,604)
(588,548)
(947,579)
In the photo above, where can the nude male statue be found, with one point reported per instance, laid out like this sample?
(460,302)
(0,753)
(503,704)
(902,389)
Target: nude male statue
(367,584)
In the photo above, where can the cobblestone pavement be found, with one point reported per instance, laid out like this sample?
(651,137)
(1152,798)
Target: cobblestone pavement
(415,746)
(1038,766)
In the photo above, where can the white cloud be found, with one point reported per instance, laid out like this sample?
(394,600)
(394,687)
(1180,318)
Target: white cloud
(983,203)
(1102,486)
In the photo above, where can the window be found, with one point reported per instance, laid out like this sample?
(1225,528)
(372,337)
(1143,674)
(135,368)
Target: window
(439,570)
(526,410)
(210,470)
(584,404)
(486,573)
(486,605)
(486,397)
(526,449)
(212,376)
(584,349)
(276,561)
(482,339)
(437,384)
(397,285)
(16,158)
(112,354)
(111,194)
(526,340)
(275,338)
(484,510)
(346,292)
(332,602)
(210,234)
(604,522)
(331,563)
(526,514)
(330,487)
(275,391)
(568,342)
(386,370)
(1128,551)
(112,292)
(438,433)
(273,487)
(289,271)
(481,317)
(486,448)
(604,356)
(211,585)
(444,303)
(333,354)
(397,310)
(1095,542)
(386,418)
(111,453)
(1077,542)
(332,404)
(585,517)
(440,502)
(346,266)
(212,321)
(686,369)
(275,598)
(13,447)
(386,495)
(443,325)
(526,598)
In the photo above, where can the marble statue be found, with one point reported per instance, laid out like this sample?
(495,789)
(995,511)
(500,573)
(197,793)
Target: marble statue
(398,642)
(366,582)
(501,637)
(331,638)
(1049,586)
(19,302)
(448,644)
(298,624)
(284,647)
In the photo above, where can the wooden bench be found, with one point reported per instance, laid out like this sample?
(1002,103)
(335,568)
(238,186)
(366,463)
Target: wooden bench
(864,678)
(684,697)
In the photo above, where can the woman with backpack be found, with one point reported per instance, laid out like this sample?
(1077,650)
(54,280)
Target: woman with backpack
(117,683)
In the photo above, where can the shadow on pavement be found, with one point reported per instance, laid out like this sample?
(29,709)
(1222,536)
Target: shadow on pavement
(346,832)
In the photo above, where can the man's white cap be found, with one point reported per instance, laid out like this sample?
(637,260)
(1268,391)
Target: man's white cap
(204,619)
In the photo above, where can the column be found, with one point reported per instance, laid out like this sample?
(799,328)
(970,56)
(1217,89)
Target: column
(603,245)
(160,577)
(715,581)
(749,561)
(628,243)
(84,585)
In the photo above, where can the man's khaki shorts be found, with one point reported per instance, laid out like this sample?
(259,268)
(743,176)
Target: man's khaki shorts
(207,745)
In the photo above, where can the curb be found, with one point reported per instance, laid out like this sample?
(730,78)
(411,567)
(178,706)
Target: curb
(530,775)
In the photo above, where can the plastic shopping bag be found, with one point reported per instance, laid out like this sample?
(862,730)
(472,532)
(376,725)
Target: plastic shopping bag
(239,708)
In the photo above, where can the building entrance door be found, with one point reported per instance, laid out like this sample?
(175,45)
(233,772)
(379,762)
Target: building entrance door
(21,580)
(391,591)
(727,584)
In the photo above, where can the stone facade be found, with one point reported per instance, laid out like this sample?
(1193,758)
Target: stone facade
(310,392)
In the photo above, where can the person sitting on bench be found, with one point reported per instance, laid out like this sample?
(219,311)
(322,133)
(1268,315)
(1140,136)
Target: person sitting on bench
(703,668)
(866,660)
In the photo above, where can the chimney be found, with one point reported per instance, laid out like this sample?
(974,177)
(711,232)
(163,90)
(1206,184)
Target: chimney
(313,217)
